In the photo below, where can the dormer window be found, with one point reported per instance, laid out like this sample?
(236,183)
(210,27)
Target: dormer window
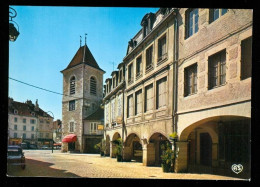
(147,23)
(15,111)
(33,114)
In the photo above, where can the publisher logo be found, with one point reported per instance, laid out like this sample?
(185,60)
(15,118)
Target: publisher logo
(237,168)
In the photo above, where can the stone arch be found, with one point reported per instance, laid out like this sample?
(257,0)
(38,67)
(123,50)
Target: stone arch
(210,124)
(133,148)
(157,133)
(116,135)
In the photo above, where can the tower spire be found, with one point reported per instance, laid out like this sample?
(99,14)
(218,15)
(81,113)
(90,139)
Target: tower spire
(86,38)
(80,41)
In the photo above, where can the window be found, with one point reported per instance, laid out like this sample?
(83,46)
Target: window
(149,58)
(149,98)
(15,135)
(24,136)
(93,86)
(139,66)
(138,102)
(24,128)
(32,136)
(72,85)
(120,75)
(161,93)
(113,110)
(71,105)
(32,128)
(130,73)
(217,69)
(130,106)
(246,58)
(15,127)
(47,135)
(162,48)
(190,80)
(114,82)
(24,120)
(15,112)
(93,127)
(33,114)
(71,126)
(32,121)
(214,14)
(15,119)
(192,19)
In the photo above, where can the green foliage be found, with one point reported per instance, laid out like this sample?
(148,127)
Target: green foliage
(100,146)
(173,135)
(119,145)
(167,157)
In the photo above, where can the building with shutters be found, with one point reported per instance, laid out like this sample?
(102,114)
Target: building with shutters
(145,89)
(186,71)
(82,96)
(28,123)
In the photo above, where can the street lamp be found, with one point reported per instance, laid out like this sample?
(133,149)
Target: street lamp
(13,32)
(52,131)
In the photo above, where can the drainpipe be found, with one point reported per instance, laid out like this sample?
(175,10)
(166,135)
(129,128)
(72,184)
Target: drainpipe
(175,82)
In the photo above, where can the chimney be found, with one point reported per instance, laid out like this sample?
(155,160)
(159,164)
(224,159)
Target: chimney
(36,108)
(10,101)
(29,102)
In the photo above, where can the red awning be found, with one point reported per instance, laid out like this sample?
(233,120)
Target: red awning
(70,138)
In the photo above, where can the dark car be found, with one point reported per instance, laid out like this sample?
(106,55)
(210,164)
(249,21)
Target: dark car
(33,146)
(15,156)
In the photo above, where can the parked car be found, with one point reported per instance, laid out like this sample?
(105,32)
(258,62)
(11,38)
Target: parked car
(15,156)
(33,146)
(24,146)
(45,147)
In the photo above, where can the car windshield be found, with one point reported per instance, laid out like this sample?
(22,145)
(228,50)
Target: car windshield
(14,152)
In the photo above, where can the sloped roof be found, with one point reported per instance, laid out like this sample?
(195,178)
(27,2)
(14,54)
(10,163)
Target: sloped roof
(83,55)
(26,109)
(98,115)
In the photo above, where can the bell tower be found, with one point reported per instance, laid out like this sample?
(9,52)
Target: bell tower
(82,95)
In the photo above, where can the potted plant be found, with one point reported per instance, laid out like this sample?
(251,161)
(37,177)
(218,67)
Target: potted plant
(100,147)
(167,157)
(118,149)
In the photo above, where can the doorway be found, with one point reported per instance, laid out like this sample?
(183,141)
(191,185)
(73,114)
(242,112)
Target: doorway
(205,149)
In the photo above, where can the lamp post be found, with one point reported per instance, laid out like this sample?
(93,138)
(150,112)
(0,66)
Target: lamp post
(13,32)
(52,132)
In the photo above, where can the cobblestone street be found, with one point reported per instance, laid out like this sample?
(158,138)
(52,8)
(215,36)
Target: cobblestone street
(47,164)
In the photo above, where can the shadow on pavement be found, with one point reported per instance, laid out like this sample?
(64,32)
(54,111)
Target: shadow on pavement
(36,168)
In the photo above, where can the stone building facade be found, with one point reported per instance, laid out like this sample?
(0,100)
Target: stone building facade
(147,96)
(187,71)
(28,123)
(214,89)
(83,93)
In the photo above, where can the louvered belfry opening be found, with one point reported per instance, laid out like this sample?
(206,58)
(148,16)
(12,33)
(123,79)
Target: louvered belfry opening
(93,86)
(72,85)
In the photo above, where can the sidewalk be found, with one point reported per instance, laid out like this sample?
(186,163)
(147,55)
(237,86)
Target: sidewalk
(106,167)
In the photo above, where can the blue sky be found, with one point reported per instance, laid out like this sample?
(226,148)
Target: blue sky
(50,37)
